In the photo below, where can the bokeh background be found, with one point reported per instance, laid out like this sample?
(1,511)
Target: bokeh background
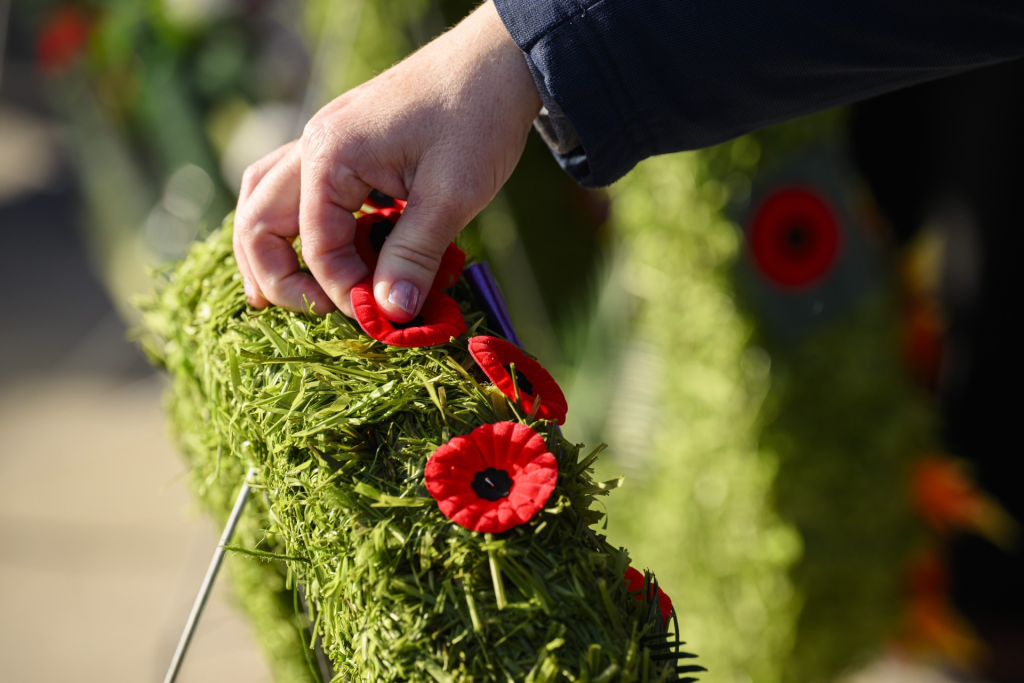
(125,126)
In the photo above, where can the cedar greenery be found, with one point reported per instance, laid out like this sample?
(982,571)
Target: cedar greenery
(340,427)
(795,456)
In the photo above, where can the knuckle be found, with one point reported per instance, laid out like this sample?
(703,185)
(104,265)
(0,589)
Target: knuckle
(250,230)
(324,142)
(249,176)
(317,135)
(245,223)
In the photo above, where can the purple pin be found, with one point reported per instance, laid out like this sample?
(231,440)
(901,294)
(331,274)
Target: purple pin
(485,287)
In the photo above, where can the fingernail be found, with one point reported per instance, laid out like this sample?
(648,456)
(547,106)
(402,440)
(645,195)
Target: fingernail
(247,286)
(404,295)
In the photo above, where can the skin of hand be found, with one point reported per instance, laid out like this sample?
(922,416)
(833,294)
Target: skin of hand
(442,129)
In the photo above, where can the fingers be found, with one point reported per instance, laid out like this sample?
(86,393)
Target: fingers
(256,172)
(250,180)
(264,230)
(252,293)
(331,192)
(412,254)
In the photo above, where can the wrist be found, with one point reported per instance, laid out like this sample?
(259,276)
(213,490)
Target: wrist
(506,64)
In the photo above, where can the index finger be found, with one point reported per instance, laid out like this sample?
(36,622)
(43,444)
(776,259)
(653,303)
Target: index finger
(330,194)
(266,227)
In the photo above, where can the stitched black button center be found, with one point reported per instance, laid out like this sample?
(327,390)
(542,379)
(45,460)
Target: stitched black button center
(415,322)
(379,232)
(798,239)
(492,484)
(382,200)
(525,385)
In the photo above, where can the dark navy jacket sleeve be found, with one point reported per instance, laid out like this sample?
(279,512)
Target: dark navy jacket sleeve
(622,80)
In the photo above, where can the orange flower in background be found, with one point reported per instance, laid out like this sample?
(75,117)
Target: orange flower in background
(931,626)
(62,38)
(944,495)
(935,629)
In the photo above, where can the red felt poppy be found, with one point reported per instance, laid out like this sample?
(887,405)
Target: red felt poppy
(439,320)
(794,237)
(497,476)
(373,229)
(62,38)
(496,356)
(378,200)
(634,581)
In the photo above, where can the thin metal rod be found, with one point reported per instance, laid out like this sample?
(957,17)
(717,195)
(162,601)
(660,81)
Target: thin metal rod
(211,576)
(322,660)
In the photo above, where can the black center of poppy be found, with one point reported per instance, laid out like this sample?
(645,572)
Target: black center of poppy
(525,385)
(797,239)
(492,484)
(415,322)
(379,232)
(382,200)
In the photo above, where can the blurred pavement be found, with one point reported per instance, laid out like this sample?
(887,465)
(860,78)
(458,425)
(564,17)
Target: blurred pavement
(102,553)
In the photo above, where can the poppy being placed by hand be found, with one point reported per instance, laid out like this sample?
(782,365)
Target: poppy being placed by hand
(634,581)
(794,237)
(372,231)
(439,320)
(497,358)
(492,479)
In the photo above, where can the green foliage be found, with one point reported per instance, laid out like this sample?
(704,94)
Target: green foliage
(699,505)
(340,427)
(773,497)
(846,423)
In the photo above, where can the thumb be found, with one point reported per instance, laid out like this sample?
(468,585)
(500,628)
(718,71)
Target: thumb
(411,256)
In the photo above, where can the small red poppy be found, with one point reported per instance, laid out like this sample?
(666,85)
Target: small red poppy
(378,200)
(496,356)
(794,237)
(62,38)
(439,320)
(497,476)
(634,581)
(373,229)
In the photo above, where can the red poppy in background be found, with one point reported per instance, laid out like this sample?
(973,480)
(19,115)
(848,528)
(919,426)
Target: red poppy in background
(373,229)
(378,200)
(946,497)
(634,581)
(497,476)
(439,320)
(496,357)
(62,38)
(794,237)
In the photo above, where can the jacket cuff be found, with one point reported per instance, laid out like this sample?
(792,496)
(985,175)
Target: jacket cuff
(583,122)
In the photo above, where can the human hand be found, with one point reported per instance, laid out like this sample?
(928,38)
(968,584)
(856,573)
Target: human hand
(443,129)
